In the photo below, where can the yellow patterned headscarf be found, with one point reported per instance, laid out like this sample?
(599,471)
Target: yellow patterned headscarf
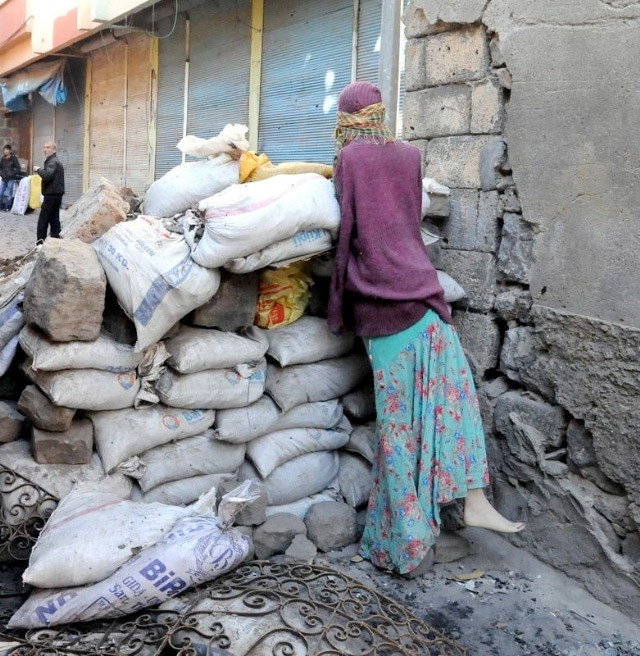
(367,122)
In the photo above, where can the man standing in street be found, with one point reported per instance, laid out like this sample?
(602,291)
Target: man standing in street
(52,174)
(9,170)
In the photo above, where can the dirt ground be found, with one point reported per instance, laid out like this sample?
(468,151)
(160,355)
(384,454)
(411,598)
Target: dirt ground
(499,600)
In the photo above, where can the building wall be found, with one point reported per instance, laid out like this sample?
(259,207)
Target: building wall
(526,111)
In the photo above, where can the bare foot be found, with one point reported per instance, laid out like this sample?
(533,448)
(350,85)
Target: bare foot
(479,512)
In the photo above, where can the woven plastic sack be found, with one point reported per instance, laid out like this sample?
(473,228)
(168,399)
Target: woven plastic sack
(283,295)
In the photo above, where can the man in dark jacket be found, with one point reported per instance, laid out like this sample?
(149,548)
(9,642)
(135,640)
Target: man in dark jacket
(9,170)
(52,174)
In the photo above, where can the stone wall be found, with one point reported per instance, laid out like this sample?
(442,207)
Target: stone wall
(524,110)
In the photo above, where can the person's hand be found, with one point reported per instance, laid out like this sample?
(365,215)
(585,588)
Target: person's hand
(35,169)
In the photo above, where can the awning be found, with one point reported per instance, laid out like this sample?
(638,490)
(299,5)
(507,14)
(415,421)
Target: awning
(45,77)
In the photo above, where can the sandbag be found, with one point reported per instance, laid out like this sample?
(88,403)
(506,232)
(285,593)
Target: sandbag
(274,449)
(319,381)
(452,290)
(245,218)
(11,319)
(231,139)
(283,295)
(187,184)
(241,425)
(87,389)
(35,193)
(307,340)
(355,479)
(185,490)
(190,456)
(300,507)
(120,434)
(301,246)
(255,167)
(215,388)
(153,276)
(199,349)
(298,478)
(75,549)
(7,353)
(197,549)
(363,441)
(104,353)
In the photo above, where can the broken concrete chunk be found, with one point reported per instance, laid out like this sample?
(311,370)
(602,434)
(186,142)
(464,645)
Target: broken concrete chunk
(276,534)
(331,525)
(71,447)
(65,294)
(10,421)
(43,414)
(301,550)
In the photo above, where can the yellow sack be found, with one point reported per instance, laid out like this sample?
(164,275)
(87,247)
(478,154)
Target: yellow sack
(35,195)
(283,295)
(255,167)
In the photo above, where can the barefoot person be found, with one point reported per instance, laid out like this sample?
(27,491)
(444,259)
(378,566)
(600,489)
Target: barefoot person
(430,441)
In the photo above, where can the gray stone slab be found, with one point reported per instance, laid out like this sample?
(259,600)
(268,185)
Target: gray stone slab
(436,112)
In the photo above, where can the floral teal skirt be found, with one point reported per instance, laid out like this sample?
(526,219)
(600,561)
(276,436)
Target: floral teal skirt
(430,441)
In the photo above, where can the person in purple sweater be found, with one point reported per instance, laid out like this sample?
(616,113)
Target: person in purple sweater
(430,445)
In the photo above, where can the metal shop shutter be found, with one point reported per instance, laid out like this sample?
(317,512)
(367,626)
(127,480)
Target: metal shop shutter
(220,47)
(369,26)
(69,130)
(43,127)
(171,77)
(306,62)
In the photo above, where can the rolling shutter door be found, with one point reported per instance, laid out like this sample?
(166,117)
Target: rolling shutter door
(69,124)
(369,27)
(220,46)
(171,65)
(306,62)
(43,126)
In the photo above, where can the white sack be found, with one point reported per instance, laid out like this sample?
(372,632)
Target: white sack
(244,424)
(120,434)
(245,218)
(92,532)
(190,456)
(21,199)
(187,184)
(153,276)
(196,550)
(301,507)
(87,389)
(302,245)
(452,290)
(198,349)
(215,388)
(298,478)
(319,381)
(185,490)
(232,138)
(11,319)
(103,353)
(355,479)
(274,449)
(7,353)
(308,339)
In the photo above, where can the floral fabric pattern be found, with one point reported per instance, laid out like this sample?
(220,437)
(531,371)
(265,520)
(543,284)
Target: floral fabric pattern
(430,441)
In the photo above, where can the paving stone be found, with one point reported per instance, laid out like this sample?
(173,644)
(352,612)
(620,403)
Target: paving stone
(43,414)
(10,422)
(331,525)
(65,294)
(276,534)
(70,447)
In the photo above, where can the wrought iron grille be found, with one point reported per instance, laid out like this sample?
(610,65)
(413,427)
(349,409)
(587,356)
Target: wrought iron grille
(24,509)
(260,609)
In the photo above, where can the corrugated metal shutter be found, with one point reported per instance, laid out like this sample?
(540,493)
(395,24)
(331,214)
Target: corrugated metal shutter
(220,46)
(43,126)
(119,147)
(306,62)
(171,64)
(368,58)
(69,120)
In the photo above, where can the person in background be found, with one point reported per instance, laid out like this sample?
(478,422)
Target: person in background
(52,174)
(9,170)
(430,445)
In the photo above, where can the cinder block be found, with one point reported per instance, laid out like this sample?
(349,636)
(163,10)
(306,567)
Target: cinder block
(71,447)
(455,161)
(459,56)
(437,112)
(487,107)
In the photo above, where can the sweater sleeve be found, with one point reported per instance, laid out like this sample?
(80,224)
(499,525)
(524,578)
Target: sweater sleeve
(48,172)
(347,218)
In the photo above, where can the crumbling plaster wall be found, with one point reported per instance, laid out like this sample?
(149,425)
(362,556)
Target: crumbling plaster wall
(528,111)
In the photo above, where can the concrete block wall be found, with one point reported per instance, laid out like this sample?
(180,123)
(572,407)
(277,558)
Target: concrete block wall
(557,448)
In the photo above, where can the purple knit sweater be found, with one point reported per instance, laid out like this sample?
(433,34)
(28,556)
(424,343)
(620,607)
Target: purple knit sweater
(383,281)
